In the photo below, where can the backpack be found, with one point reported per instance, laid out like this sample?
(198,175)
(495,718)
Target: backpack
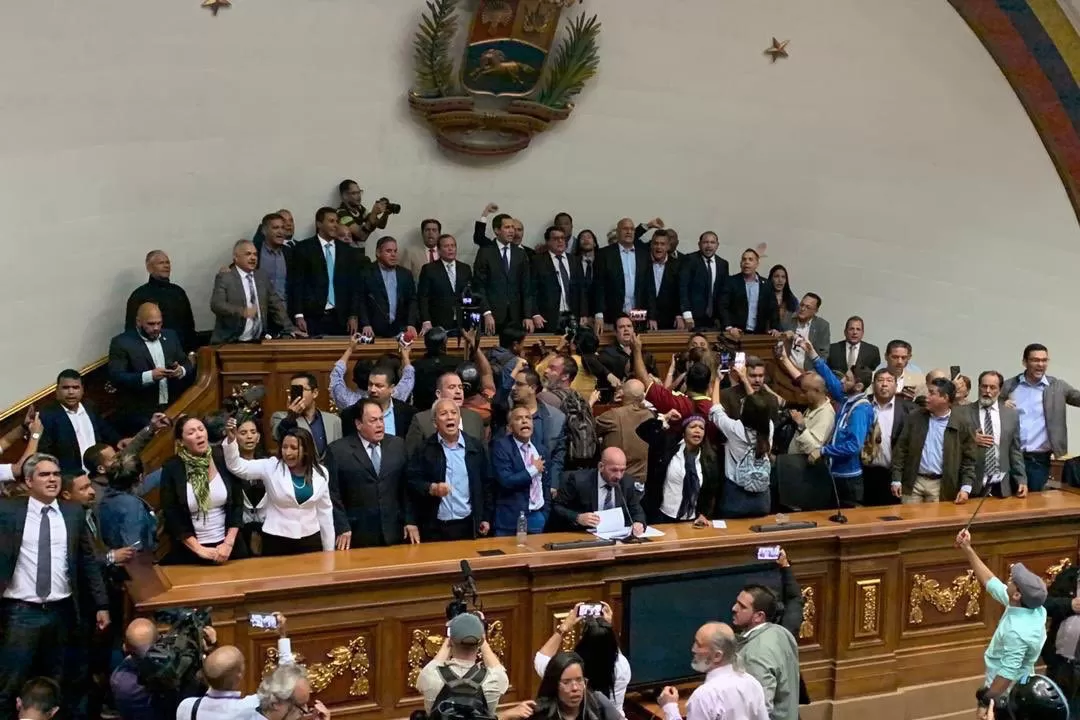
(580,430)
(461,698)
(752,473)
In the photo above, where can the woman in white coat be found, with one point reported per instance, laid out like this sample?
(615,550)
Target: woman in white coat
(299,514)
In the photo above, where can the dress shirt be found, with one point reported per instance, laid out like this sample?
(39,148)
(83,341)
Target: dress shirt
(158,356)
(451,273)
(84,429)
(432,254)
(673,483)
(802,332)
(6,474)
(389,278)
(389,421)
(851,351)
(564,292)
(23,584)
(251,324)
(345,397)
(628,258)
(328,246)
(528,451)
(272,262)
(601,493)
(658,275)
(318,432)
(1028,399)
(456,505)
(817,429)
(933,451)
(886,415)
(727,694)
(753,290)
(995,422)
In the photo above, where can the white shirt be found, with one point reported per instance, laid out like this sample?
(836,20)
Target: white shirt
(740,441)
(158,356)
(601,493)
(726,695)
(451,273)
(324,246)
(23,584)
(251,324)
(209,528)
(84,429)
(802,332)
(673,483)
(621,682)
(6,474)
(225,705)
(851,352)
(564,306)
(995,420)
(885,415)
(527,449)
(658,275)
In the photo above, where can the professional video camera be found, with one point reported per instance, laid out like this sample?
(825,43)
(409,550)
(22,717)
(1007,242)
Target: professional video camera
(172,663)
(465,594)
(569,328)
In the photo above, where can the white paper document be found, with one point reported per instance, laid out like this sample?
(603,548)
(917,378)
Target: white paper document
(612,526)
(719,524)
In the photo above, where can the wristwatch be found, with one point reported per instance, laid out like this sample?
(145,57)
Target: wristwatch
(35,436)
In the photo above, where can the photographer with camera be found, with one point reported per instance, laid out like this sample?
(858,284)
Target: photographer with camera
(354,216)
(454,683)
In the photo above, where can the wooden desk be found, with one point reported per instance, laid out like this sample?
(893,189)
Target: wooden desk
(890,607)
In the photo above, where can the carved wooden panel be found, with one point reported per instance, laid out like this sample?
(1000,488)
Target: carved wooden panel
(868,608)
(811,615)
(423,640)
(942,596)
(1046,565)
(340,665)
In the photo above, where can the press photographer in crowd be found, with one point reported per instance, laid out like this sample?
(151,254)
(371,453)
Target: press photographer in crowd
(441,680)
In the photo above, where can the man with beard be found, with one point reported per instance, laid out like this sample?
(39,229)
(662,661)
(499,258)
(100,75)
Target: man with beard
(727,692)
(999,462)
(768,651)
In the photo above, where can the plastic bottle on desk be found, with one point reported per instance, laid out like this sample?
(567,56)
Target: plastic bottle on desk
(522,529)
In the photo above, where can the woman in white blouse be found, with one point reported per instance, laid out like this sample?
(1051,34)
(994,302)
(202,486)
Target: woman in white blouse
(299,514)
(747,463)
(606,669)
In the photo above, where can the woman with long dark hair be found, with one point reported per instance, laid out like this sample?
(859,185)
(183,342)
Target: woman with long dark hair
(299,515)
(564,693)
(785,298)
(684,478)
(747,461)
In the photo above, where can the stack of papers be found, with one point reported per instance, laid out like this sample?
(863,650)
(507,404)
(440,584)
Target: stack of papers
(612,526)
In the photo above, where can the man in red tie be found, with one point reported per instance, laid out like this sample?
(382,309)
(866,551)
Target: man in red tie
(417,258)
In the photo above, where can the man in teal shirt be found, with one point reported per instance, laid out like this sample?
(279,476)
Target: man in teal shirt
(1021,632)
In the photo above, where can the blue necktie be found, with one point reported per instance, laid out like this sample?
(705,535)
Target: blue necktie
(330,274)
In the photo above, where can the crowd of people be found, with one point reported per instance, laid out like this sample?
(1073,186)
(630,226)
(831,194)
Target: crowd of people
(527,437)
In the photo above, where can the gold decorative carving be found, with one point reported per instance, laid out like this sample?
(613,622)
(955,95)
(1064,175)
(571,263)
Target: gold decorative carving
(809,613)
(538,17)
(569,639)
(924,589)
(868,597)
(352,658)
(1054,570)
(425,646)
(495,14)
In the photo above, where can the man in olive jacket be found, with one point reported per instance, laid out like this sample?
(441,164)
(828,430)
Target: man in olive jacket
(768,651)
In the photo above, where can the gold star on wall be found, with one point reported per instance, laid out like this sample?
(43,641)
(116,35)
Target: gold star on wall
(777,49)
(216,5)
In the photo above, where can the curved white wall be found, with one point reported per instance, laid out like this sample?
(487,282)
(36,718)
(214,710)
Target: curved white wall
(886,162)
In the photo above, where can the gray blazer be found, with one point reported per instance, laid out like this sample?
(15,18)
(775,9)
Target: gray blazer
(422,427)
(228,302)
(820,336)
(1056,396)
(331,423)
(1010,459)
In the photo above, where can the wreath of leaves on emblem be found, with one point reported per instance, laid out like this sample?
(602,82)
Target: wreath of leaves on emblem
(576,62)
(431,50)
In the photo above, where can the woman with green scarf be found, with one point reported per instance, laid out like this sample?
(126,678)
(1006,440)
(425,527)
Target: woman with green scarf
(202,501)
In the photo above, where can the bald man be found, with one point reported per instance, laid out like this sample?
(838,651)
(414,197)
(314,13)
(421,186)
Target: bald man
(130,698)
(585,493)
(618,428)
(170,297)
(245,303)
(148,367)
(727,690)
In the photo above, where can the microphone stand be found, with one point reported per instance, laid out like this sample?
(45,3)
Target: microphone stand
(839,517)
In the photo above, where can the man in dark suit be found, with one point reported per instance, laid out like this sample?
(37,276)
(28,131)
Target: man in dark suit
(321,280)
(448,480)
(442,284)
(397,416)
(852,351)
(890,414)
(245,305)
(743,292)
(702,278)
(367,484)
(42,587)
(557,282)
(584,492)
(148,366)
(522,475)
(170,297)
(621,272)
(999,461)
(662,284)
(387,301)
(502,283)
(70,428)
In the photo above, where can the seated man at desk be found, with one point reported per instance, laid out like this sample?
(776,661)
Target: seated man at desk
(586,492)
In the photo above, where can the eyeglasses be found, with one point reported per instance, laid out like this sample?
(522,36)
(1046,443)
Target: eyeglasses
(573,682)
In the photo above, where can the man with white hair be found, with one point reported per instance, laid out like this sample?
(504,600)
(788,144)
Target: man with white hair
(447,386)
(727,692)
(285,694)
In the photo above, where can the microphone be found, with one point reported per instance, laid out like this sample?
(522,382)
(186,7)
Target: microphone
(626,510)
(839,517)
(470,582)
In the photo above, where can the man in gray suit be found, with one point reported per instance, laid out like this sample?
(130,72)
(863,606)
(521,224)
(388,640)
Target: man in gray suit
(303,412)
(448,385)
(1040,399)
(805,323)
(998,460)
(244,303)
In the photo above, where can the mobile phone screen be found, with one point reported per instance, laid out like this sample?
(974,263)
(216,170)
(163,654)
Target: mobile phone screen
(295,391)
(771,552)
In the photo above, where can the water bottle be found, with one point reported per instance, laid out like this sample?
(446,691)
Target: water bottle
(522,529)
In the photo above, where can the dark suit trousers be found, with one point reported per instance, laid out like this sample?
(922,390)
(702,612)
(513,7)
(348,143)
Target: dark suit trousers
(452,530)
(1037,466)
(325,323)
(35,640)
(877,486)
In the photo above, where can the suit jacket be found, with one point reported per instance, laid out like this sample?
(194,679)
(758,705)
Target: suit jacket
(58,437)
(279,426)
(580,494)
(694,293)
(663,306)
(229,300)
(735,305)
(309,284)
(512,483)
(819,336)
(771,655)
(129,358)
(663,445)
(1010,457)
(422,427)
(403,417)
(373,304)
(508,296)
(83,568)
(958,457)
(869,356)
(428,466)
(545,282)
(174,499)
(375,508)
(1059,597)
(588,283)
(439,303)
(618,428)
(1055,398)
(609,287)
(414,260)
